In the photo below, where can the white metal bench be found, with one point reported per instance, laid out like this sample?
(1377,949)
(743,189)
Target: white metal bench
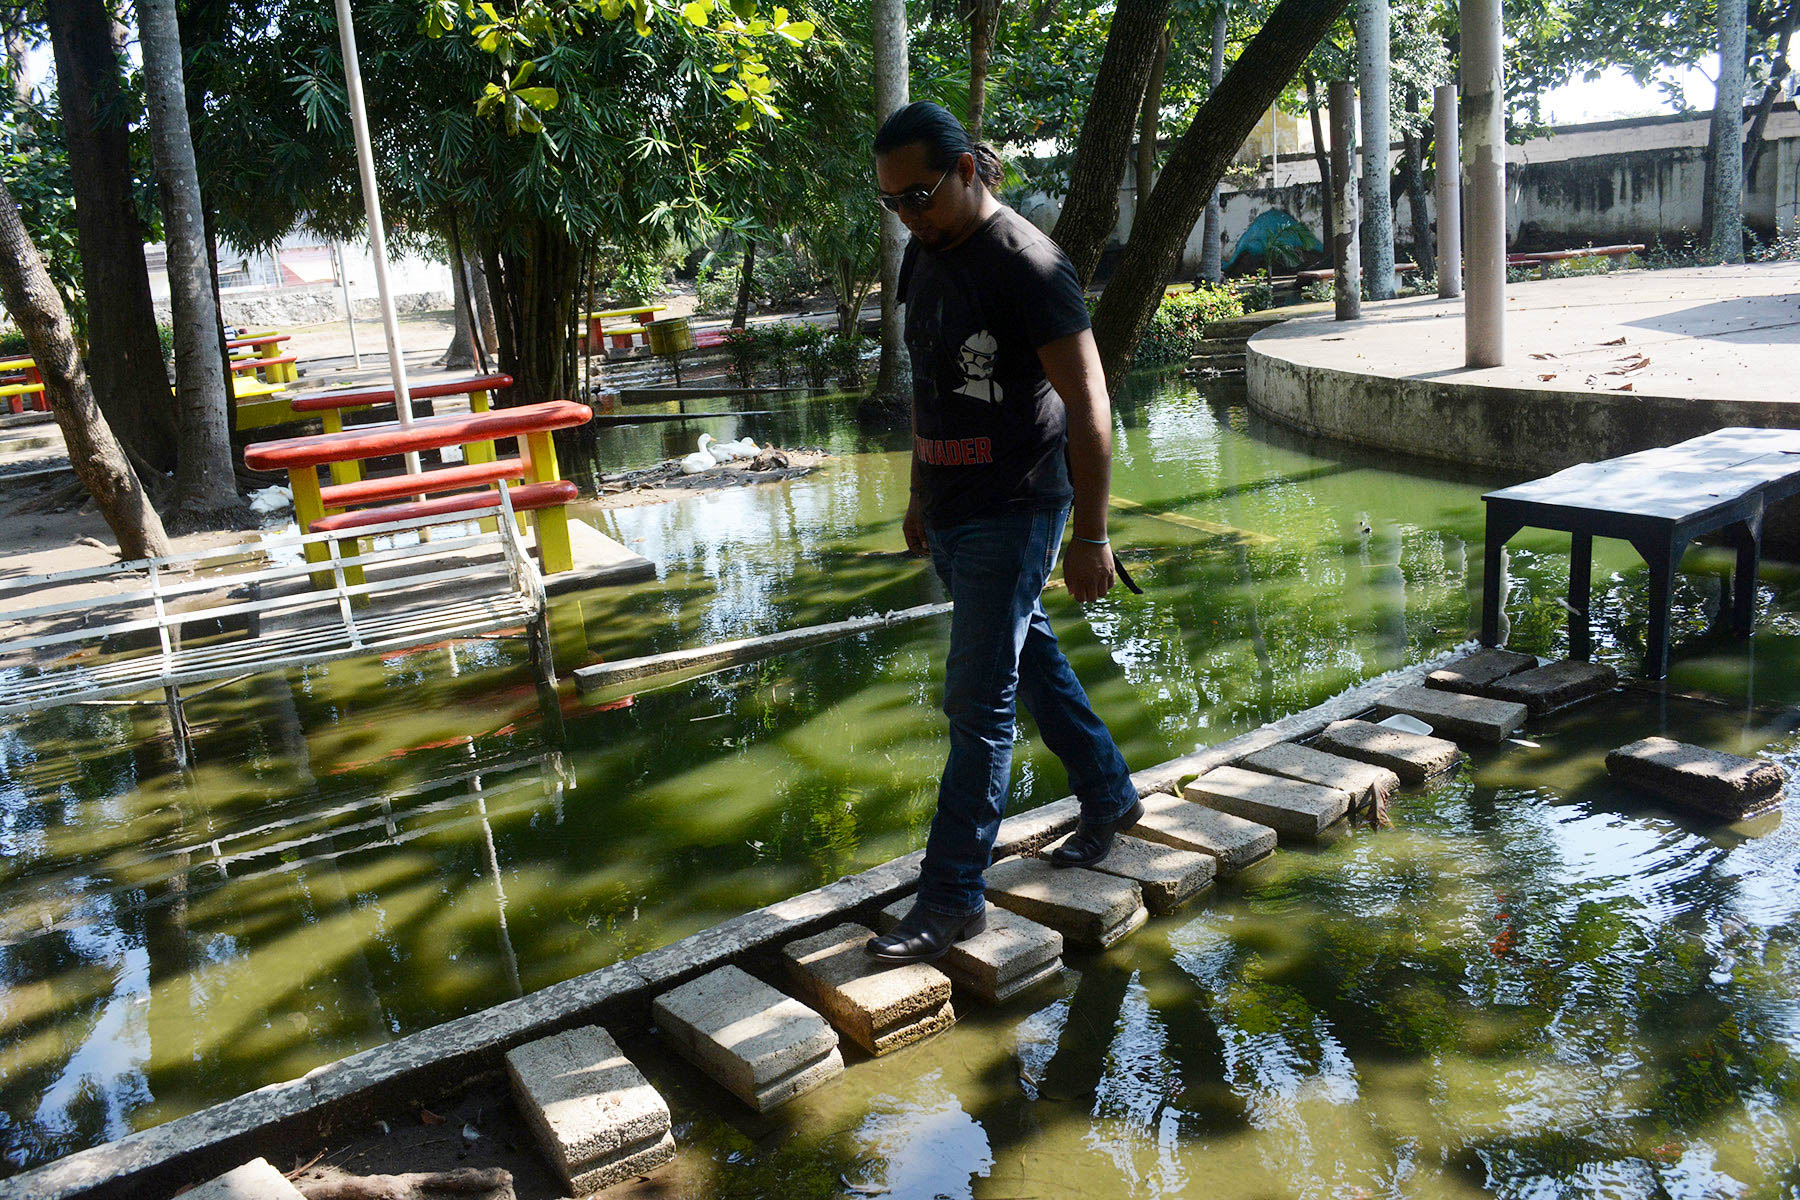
(233,611)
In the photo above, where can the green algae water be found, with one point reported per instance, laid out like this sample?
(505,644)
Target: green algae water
(1533,986)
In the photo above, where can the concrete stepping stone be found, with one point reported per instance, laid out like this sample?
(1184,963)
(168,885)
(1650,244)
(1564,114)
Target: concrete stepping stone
(1368,785)
(1472,674)
(593,1111)
(1167,877)
(1013,955)
(1711,781)
(1090,909)
(255,1180)
(1414,757)
(1233,842)
(882,1007)
(1555,685)
(1462,717)
(764,1047)
(1291,807)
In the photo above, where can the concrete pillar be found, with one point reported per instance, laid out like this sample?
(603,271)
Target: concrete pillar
(1484,166)
(1449,192)
(1373,75)
(1345,250)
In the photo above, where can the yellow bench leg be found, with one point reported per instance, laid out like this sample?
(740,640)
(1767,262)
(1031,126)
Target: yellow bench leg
(479,452)
(552,524)
(341,472)
(309,506)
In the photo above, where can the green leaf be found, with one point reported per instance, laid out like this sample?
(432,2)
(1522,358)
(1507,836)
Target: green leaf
(745,9)
(696,12)
(541,98)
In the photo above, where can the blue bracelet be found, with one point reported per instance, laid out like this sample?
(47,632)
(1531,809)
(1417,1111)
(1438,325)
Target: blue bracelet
(1093,541)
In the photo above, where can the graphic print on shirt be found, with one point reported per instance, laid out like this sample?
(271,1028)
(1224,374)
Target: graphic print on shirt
(976,361)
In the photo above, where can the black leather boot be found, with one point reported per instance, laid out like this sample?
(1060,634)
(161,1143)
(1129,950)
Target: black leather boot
(1090,842)
(925,936)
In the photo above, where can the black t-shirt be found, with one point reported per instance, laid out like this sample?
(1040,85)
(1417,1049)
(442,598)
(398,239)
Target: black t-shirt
(989,431)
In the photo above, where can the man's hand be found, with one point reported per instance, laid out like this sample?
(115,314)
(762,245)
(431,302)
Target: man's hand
(913,527)
(1088,570)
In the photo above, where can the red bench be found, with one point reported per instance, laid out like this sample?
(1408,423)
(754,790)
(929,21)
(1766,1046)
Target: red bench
(273,365)
(532,423)
(267,346)
(1542,259)
(331,405)
(529,497)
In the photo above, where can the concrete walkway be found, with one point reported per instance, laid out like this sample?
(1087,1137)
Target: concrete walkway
(1714,333)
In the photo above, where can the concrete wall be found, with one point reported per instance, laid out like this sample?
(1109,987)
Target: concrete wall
(1613,181)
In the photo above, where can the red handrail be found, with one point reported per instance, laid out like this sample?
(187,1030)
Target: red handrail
(428,434)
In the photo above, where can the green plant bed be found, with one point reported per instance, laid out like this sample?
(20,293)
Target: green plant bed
(1180,323)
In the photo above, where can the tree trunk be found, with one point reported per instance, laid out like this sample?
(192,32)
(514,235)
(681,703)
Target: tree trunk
(1259,75)
(1091,208)
(1373,77)
(1149,117)
(1321,156)
(1778,73)
(1725,238)
(23,78)
(484,304)
(205,491)
(746,281)
(1415,190)
(1212,249)
(893,381)
(984,18)
(96,457)
(129,378)
(536,276)
(461,354)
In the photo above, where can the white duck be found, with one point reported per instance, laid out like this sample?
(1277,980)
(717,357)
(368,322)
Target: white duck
(745,447)
(722,452)
(701,459)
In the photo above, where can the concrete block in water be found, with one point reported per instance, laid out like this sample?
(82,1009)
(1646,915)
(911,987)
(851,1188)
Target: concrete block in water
(255,1180)
(593,1111)
(1714,782)
(1090,909)
(1365,782)
(1291,807)
(1012,955)
(1471,717)
(879,1006)
(1167,877)
(1414,757)
(1233,842)
(1472,674)
(763,1046)
(1555,685)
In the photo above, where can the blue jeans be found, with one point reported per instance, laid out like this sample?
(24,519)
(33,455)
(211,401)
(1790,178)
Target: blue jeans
(1002,649)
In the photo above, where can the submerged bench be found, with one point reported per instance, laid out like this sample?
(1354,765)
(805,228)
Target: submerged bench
(198,617)
(1660,501)
(531,424)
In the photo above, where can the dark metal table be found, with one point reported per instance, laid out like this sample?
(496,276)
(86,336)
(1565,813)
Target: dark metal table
(1658,500)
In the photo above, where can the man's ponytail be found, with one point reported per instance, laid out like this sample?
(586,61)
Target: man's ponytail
(935,127)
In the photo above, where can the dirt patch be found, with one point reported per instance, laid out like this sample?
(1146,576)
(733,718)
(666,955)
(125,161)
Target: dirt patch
(665,481)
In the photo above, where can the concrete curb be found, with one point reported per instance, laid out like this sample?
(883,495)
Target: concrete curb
(297,1113)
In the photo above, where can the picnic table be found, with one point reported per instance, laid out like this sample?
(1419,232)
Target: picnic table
(267,346)
(1659,500)
(1543,260)
(544,493)
(638,318)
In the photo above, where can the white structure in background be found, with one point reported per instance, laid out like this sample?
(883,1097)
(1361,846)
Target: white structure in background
(303,259)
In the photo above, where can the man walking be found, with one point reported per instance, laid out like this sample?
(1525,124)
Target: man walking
(1011,428)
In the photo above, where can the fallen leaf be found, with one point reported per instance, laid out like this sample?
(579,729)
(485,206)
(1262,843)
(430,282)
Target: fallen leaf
(429,1117)
(1631,365)
(1545,354)
(1618,341)
(1547,378)
(1626,387)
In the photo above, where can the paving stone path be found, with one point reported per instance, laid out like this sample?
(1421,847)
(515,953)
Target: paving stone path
(1454,714)
(1014,955)
(879,1006)
(1291,807)
(762,1046)
(595,1115)
(1090,909)
(1368,785)
(1479,670)
(1414,757)
(1167,877)
(1712,781)
(1233,842)
(1555,685)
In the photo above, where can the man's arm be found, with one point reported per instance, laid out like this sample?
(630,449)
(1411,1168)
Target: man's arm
(1072,364)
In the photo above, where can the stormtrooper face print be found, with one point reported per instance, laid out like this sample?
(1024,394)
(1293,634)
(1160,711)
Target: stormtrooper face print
(976,361)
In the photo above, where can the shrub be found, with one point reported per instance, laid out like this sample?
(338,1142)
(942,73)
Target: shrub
(1179,324)
(780,279)
(12,343)
(1785,246)
(1319,289)
(1256,293)
(633,274)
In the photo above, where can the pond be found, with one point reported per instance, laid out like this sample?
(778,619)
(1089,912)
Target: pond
(369,848)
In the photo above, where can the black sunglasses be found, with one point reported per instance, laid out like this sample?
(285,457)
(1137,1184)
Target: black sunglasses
(918,199)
